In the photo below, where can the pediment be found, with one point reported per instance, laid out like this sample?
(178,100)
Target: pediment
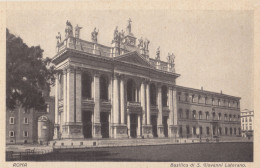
(134,58)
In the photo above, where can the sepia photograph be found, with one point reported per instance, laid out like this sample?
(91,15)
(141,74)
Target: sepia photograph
(129,85)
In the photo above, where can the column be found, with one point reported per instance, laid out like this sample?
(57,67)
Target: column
(115,100)
(97,124)
(148,107)
(139,127)
(71,129)
(143,103)
(171,118)
(160,129)
(78,96)
(128,125)
(122,99)
(56,126)
(65,96)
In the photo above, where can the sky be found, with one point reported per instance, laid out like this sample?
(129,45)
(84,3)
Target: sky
(213,48)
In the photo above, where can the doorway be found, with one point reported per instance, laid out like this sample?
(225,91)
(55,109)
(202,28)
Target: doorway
(133,125)
(154,125)
(87,124)
(104,124)
(165,126)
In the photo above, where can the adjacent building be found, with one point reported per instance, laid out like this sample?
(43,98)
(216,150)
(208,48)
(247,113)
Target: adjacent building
(247,123)
(22,126)
(119,91)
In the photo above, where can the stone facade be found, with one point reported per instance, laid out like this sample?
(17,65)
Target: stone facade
(22,125)
(120,92)
(247,123)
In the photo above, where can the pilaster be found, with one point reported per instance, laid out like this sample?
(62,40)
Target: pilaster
(97,124)
(160,127)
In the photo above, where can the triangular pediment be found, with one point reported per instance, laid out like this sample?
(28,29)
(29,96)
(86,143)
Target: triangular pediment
(133,58)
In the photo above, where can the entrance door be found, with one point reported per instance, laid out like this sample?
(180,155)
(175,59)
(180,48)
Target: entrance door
(154,125)
(87,124)
(133,125)
(104,124)
(165,126)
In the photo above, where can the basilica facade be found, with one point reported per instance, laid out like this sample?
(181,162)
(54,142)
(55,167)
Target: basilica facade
(119,91)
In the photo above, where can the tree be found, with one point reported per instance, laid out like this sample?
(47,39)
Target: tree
(28,74)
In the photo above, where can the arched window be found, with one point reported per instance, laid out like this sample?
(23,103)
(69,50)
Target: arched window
(194,114)
(186,97)
(219,116)
(103,87)
(230,117)
(213,115)
(192,98)
(131,89)
(164,96)
(153,94)
(200,115)
(86,85)
(207,115)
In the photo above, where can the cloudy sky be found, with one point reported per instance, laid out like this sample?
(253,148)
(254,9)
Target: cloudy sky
(213,49)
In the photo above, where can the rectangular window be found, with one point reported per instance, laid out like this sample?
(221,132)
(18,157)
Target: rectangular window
(207,116)
(188,129)
(207,130)
(200,130)
(11,134)
(48,108)
(187,114)
(11,120)
(226,131)
(192,99)
(218,102)
(25,133)
(26,120)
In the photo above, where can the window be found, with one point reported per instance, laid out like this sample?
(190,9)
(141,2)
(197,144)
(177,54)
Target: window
(200,115)
(179,96)
(199,99)
(206,100)
(228,103)
(186,97)
(230,130)
(187,114)
(235,131)
(224,102)
(226,131)
(187,129)
(250,119)
(26,120)
(25,133)
(200,130)
(220,131)
(237,104)
(238,116)
(194,114)
(180,113)
(11,120)
(230,117)
(180,130)
(246,119)
(213,101)
(234,116)
(218,102)
(194,131)
(219,116)
(213,115)
(246,127)
(207,115)
(192,99)
(48,108)
(225,117)
(11,134)
(207,130)
(250,127)
(239,131)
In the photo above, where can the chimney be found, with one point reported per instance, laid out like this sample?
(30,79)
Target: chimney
(201,87)
(221,92)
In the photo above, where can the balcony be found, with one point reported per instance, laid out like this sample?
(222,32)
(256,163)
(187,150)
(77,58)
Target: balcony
(105,105)
(134,107)
(154,109)
(88,104)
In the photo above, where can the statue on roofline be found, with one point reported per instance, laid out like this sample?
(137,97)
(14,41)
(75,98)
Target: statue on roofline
(58,37)
(129,26)
(77,31)
(68,30)
(141,43)
(146,44)
(158,53)
(116,34)
(94,35)
(171,58)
